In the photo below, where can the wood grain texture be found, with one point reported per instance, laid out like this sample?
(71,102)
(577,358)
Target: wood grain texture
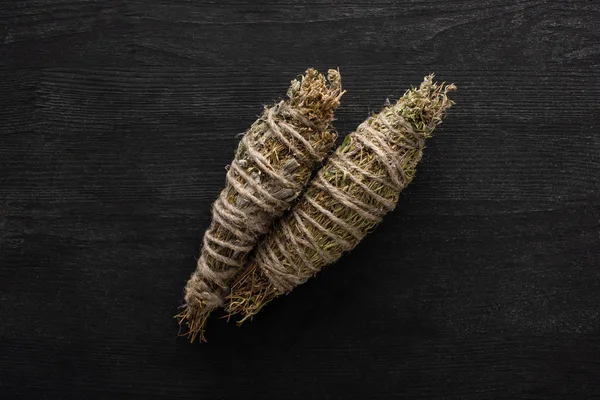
(118,118)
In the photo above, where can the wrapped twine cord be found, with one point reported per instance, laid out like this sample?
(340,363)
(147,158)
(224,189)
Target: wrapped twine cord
(358,185)
(272,165)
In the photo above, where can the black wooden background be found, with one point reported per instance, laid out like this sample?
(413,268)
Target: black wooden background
(118,118)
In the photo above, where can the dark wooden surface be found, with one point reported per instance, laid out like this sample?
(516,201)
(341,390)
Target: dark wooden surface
(118,118)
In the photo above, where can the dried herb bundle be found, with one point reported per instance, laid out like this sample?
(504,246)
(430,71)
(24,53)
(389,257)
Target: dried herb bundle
(272,165)
(358,185)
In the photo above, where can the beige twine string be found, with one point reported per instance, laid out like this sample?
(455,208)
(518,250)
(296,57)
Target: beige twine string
(283,276)
(248,227)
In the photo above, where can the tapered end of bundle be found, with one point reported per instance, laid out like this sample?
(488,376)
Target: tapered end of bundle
(249,294)
(425,107)
(192,323)
(317,97)
(200,300)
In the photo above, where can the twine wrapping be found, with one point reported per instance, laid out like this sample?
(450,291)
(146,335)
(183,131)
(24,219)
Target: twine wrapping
(272,165)
(358,185)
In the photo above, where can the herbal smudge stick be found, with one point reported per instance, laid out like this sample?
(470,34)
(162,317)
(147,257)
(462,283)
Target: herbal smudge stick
(272,165)
(356,187)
